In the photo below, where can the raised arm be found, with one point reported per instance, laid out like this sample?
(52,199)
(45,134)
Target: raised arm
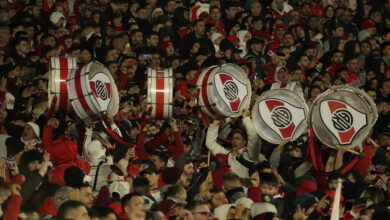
(211,139)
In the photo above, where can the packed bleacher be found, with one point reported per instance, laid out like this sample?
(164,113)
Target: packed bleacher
(138,160)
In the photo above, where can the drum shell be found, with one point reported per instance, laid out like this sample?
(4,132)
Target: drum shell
(223,91)
(60,67)
(263,115)
(360,117)
(160,93)
(93,91)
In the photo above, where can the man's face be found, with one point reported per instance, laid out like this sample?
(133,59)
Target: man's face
(34,165)
(189,170)
(153,179)
(153,40)
(111,56)
(332,184)
(218,199)
(304,62)
(202,212)
(288,40)
(238,141)
(339,32)
(137,37)
(386,50)
(337,58)
(372,94)
(86,196)
(268,189)
(353,65)
(231,12)
(156,161)
(297,76)
(385,90)
(255,8)
(28,133)
(215,14)
(23,47)
(199,28)
(171,6)
(155,61)
(184,180)
(365,49)
(305,10)
(80,213)
(85,56)
(136,207)
(279,4)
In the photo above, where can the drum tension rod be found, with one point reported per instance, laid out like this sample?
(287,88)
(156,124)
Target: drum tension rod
(160,103)
(207,84)
(58,92)
(78,97)
(155,77)
(77,77)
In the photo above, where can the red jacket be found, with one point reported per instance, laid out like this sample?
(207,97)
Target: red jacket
(352,77)
(63,152)
(13,208)
(47,208)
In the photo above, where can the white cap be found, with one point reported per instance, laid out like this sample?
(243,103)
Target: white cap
(260,208)
(120,187)
(246,202)
(221,211)
(56,17)
(36,129)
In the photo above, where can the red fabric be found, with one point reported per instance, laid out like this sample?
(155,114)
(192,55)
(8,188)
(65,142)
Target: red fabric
(122,80)
(367,24)
(365,162)
(46,7)
(117,207)
(263,35)
(63,153)
(306,186)
(332,69)
(352,77)
(317,9)
(47,208)
(2,96)
(270,76)
(61,5)
(13,208)
(254,193)
(219,26)
(218,174)
(347,216)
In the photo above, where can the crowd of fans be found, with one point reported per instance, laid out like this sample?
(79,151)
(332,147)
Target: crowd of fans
(58,167)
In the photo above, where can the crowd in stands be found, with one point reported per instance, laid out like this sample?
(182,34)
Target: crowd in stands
(56,166)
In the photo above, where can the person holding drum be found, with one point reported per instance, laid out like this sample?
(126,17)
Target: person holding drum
(239,156)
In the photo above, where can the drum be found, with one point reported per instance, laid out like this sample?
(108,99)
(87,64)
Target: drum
(342,116)
(223,91)
(160,93)
(60,67)
(280,114)
(92,91)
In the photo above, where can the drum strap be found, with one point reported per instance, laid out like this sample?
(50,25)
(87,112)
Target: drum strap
(51,109)
(112,134)
(350,165)
(204,118)
(312,150)
(96,175)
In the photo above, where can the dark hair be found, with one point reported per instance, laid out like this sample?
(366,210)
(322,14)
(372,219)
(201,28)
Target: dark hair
(141,185)
(193,204)
(67,207)
(74,177)
(268,178)
(127,198)
(103,211)
(241,132)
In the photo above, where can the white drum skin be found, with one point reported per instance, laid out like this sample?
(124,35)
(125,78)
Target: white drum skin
(223,91)
(60,67)
(160,93)
(92,91)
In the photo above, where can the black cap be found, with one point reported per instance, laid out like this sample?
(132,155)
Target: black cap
(226,45)
(149,170)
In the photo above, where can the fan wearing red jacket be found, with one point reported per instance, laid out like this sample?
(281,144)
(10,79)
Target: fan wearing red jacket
(63,151)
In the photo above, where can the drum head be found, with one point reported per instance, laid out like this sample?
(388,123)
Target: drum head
(230,90)
(280,114)
(341,117)
(102,85)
